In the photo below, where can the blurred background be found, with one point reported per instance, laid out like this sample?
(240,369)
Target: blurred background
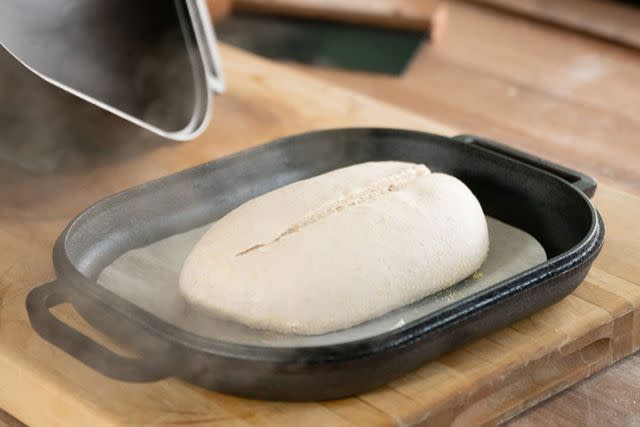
(557,78)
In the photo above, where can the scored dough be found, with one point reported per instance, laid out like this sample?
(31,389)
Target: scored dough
(332,251)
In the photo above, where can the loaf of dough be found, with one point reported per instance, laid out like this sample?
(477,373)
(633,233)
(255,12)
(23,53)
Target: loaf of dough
(332,251)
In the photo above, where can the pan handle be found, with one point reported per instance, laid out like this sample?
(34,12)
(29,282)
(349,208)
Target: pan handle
(39,302)
(582,182)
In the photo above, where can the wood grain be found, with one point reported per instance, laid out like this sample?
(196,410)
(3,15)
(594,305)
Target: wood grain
(487,381)
(420,15)
(608,19)
(7,420)
(565,96)
(608,398)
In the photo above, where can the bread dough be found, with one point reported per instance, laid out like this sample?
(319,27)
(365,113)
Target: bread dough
(332,251)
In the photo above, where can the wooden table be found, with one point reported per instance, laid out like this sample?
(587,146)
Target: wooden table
(550,91)
(546,89)
(456,89)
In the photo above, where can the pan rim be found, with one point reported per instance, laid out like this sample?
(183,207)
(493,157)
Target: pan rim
(422,328)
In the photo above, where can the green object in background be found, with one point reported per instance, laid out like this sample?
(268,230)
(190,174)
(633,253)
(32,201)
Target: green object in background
(322,43)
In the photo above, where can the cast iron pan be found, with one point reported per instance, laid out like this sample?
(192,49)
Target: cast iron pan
(544,199)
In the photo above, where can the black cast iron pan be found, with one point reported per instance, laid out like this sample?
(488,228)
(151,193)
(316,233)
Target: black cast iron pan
(544,199)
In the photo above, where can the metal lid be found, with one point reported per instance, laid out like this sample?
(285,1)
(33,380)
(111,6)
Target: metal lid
(152,62)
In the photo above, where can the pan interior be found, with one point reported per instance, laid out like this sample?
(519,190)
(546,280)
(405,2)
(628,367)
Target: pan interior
(148,277)
(553,215)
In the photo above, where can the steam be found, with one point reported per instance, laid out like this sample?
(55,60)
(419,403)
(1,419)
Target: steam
(148,276)
(130,55)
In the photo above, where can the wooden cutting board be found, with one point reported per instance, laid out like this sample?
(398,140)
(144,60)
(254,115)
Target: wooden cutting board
(487,381)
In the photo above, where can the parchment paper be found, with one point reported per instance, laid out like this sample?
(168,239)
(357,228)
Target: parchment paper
(148,277)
